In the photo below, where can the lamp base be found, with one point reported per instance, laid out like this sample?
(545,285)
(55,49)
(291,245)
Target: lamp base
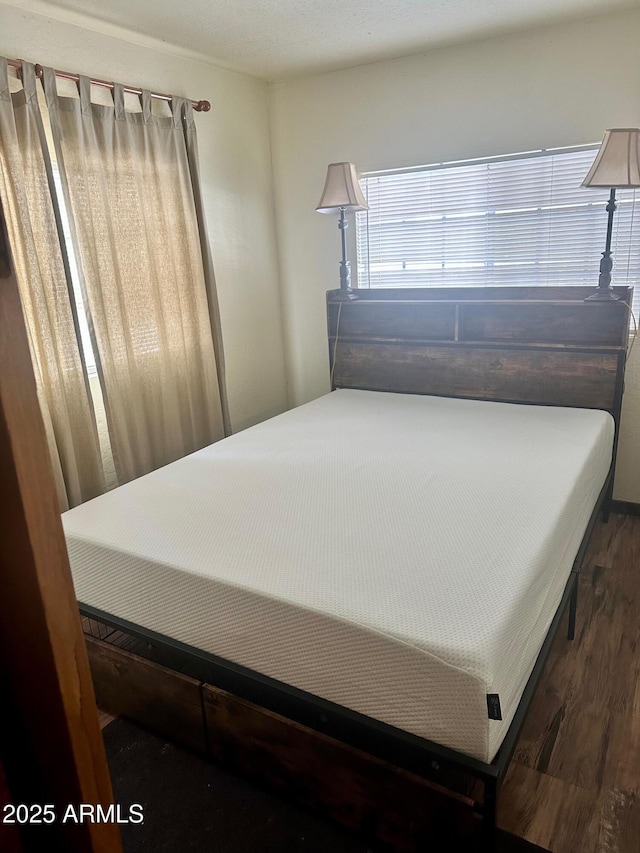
(603,295)
(345,294)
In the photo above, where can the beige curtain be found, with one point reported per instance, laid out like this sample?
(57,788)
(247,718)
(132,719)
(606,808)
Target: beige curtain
(130,198)
(43,277)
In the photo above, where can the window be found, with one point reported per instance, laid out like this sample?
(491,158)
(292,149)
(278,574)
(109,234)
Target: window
(81,314)
(518,220)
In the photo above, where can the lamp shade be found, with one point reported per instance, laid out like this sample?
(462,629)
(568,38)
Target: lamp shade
(341,190)
(617,163)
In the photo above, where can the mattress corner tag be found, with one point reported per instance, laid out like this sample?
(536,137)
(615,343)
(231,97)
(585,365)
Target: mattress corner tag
(493,706)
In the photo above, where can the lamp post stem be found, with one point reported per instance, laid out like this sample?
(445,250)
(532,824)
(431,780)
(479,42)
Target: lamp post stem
(611,206)
(345,269)
(605,293)
(342,225)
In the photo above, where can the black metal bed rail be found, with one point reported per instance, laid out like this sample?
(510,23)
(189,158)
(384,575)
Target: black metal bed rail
(569,597)
(411,752)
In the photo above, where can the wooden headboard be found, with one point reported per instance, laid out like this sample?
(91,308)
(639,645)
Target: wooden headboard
(542,345)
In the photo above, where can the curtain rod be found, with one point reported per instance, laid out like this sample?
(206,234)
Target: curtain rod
(198,106)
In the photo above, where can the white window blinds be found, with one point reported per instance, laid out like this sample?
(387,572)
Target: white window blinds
(518,220)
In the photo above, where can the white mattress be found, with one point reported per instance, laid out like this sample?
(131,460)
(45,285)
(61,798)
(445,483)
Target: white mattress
(399,555)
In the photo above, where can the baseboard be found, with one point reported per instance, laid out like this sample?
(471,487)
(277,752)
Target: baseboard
(625,507)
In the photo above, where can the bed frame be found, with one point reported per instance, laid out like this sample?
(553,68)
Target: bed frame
(545,346)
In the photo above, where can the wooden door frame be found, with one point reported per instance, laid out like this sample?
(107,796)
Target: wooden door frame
(50,741)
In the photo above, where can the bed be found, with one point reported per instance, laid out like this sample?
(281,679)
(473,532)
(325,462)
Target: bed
(386,565)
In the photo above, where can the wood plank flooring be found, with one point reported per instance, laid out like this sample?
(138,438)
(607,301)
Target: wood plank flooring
(574,783)
(104,719)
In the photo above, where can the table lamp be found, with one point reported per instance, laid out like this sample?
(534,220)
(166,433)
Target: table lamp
(617,165)
(342,194)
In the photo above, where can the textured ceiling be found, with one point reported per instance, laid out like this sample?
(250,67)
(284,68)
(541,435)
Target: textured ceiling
(276,39)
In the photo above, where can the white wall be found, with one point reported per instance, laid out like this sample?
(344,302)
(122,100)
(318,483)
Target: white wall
(235,157)
(547,87)
(627,485)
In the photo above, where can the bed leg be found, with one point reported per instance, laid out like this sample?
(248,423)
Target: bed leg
(573,604)
(489,816)
(606,503)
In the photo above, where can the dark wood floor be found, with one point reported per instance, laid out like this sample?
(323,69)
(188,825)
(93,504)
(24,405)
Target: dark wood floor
(574,783)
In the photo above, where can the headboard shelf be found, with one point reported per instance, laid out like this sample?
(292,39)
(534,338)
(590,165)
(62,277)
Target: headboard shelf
(551,293)
(545,346)
(355,339)
(368,301)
